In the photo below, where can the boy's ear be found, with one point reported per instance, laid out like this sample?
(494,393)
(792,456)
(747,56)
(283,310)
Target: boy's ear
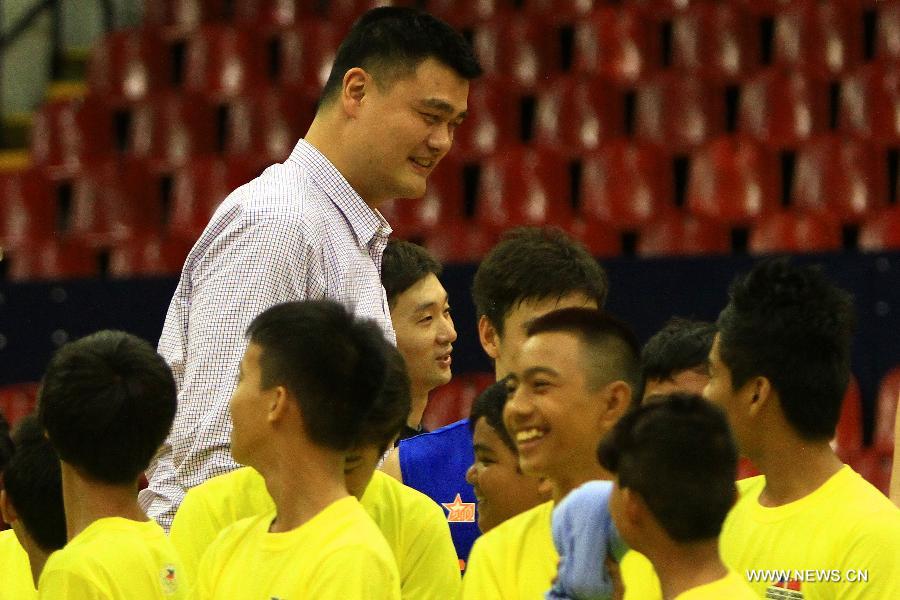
(7,510)
(489,338)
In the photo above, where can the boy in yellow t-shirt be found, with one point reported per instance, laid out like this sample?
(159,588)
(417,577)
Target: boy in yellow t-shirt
(31,502)
(107,402)
(674,463)
(310,383)
(809,527)
(569,383)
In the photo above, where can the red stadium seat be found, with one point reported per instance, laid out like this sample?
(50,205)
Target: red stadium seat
(887,32)
(618,44)
(267,124)
(18,401)
(222,62)
(577,115)
(733,180)
(305,53)
(525,50)
(51,259)
(746,468)
(67,133)
(453,401)
(461,241)
(626,185)
(601,239)
(147,256)
(272,13)
(844,177)
(678,234)
(520,186)
(493,119)
(714,41)
(466,13)
(27,209)
(822,38)
(169,128)
(880,231)
(177,18)
(870,101)
(443,203)
(848,438)
(662,8)
(678,113)
(782,108)
(559,11)
(126,65)
(795,232)
(886,410)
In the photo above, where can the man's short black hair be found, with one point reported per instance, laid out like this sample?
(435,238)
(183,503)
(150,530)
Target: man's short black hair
(791,325)
(678,454)
(611,352)
(403,265)
(33,485)
(534,263)
(391,42)
(6,444)
(680,345)
(333,364)
(489,404)
(391,408)
(107,403)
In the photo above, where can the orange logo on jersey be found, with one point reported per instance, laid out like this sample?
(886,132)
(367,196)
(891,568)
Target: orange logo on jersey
(459,511)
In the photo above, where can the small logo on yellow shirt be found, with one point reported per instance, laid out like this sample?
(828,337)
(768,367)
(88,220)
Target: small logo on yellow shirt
(168,580)
(459,511)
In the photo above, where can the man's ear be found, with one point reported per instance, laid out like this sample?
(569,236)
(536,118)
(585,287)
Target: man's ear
(489,338)
(633,508)
(617,400)
(354,86)
(761,394)
(7,510)
(279,403)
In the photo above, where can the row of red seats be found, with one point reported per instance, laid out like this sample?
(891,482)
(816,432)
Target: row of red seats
(718,42)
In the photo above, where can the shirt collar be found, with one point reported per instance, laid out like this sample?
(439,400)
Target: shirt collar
(367,223)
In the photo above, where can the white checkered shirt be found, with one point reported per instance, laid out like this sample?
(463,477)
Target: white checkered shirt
(298,231)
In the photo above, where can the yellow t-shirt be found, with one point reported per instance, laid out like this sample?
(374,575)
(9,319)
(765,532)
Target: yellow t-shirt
(517,560)
(339,554)
(730,587)
(823,546)
(15,570)
(115,558)
(413,525)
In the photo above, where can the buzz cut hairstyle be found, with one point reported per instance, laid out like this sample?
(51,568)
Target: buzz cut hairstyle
(391,408)
(611,349)
(791,325)
(334,365)
(107,402)
(489,405)
(391,42)
(403,265)
(679,456)
(682,344)
(534,263)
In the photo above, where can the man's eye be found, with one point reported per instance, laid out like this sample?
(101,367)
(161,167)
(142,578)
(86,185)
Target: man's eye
(430,118)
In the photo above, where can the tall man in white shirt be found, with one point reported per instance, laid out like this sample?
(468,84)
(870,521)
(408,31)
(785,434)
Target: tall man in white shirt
(308,228)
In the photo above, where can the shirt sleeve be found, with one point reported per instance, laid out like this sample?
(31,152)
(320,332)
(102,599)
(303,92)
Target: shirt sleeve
(192,533)
(480,580)
(871,564)
(355,573)
(430,565)
(61,584)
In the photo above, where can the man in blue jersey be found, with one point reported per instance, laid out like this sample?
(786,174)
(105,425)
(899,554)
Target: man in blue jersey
(531,272)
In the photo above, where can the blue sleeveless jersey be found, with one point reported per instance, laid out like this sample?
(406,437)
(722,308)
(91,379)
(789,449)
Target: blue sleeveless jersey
(435,463)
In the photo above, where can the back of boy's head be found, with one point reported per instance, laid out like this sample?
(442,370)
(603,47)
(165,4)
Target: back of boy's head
(33,485)
(533,263)
(107,402)
(678,455)
(791,325)
(489,404)
(390,42)
(391,407)
(680,345)
(333,364)
(610,348)
(403,265)
(6,444)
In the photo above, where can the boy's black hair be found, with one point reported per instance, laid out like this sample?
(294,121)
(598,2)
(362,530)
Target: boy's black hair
(333,364)
(107,403)
(611,348)
(534,263)
(391,409)
(489,404)
(403,265)
(6,444)
(680,345)
(391,42)
(33,485)
(791,325)
(679,456)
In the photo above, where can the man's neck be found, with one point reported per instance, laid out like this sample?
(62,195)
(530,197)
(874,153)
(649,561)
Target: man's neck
(417,408)
(302,488)
(681,567)
(37,557)
(86,501)
(563,485)
(794,468)
(325,135)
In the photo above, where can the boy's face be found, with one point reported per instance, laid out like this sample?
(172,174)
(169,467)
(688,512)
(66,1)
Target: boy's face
(425,333)
(500,487)
(719,391)
(359,466)
(248,407)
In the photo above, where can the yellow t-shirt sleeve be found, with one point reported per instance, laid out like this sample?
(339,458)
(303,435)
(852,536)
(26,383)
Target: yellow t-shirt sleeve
(430,565)
(874,554)
(62,584)
(192,532)
(480,581)
(355,573)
